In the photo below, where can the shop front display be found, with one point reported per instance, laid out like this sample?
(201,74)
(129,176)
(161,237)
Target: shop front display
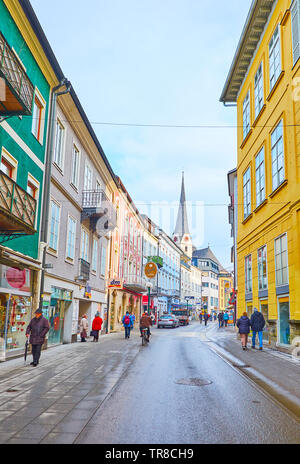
(15,308)
(59,302)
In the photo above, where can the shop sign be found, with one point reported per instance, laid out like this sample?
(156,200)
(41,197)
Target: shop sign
(15,278)
(114,283)
(61,294)
(156,259)
(88,292)
(150,270)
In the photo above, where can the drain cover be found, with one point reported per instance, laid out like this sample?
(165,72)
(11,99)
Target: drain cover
(193,382)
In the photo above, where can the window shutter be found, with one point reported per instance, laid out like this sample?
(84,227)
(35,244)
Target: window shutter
(295,30)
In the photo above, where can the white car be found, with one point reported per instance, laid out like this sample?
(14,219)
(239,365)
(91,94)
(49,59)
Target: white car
(168,320)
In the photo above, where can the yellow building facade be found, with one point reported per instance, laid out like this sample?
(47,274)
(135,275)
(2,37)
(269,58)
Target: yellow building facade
(225,289)
(264,82)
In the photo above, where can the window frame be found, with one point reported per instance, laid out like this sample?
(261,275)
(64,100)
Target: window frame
(260,178)
(59,160)
(37,130)
(274,44)
(246,115)
(68,257)
(278,156)
(247,193)
(248,274)
(295,15)
(259,90)
(261,277)
(57,223)
(277,270)
(84,244)
(75,178)
(95,253)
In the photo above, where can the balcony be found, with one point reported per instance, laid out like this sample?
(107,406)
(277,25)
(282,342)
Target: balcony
(16,90)
(99,210)
(17,209)
(84,270)
(135,283)
(175,293)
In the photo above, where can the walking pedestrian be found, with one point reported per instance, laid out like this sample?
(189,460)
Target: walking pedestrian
(220,319)
(225,318)
(36,331)
(83,327)
(96,326)
(126,321)
(244,328)
(200,318)
(257,322)
(132,316)
(206,317)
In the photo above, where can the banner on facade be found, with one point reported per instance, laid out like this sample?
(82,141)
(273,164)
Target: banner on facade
(115,283)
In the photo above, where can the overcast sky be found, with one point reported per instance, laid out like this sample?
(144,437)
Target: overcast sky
(157,62)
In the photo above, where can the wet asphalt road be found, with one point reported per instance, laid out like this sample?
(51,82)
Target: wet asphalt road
(149,406)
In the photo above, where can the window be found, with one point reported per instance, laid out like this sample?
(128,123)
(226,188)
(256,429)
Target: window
(84,245)
(260,177)
(247,193)
(258,90)
(295,12)
(274,58)
(248,274)
(54,225)
(262,268)
(59,144)
(75,166)
(95,255)
(87,178)
(277,156)
(9,164)
(71,237)
(246,115)
(103,261)
(281,260)
(38,116)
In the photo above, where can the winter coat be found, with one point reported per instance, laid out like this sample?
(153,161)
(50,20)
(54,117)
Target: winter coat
(220,316)
(244,325)
(257,321)
(225,316)
(206,316)
(84,325)
(37,328)
(97,323)
(145,321)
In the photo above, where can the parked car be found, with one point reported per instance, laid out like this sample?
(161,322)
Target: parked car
(168,320)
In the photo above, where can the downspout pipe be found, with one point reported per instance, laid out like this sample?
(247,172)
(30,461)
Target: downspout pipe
(47,182)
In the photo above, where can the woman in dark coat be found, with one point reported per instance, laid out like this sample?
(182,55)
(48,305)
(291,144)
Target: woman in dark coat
(37,330)
(244,328)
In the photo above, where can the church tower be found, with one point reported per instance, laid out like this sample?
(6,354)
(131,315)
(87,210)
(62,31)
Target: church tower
(181,235)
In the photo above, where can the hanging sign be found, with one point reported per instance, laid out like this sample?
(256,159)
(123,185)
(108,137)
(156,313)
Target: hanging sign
(150,270)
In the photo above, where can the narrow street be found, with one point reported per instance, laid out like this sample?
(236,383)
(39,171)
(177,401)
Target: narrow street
(118,392)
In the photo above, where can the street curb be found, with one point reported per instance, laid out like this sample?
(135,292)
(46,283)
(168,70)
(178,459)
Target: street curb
(282,396)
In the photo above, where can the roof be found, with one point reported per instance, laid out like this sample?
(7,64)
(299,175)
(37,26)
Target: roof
(182,227)
(255,23)
(206,253)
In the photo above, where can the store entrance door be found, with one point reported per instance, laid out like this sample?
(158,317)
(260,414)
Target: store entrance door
(284,326)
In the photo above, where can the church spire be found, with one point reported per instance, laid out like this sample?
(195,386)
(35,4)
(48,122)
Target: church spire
(182,227)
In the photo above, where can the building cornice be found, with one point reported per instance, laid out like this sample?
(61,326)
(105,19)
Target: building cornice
(255,23)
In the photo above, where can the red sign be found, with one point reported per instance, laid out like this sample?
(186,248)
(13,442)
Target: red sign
(15,277)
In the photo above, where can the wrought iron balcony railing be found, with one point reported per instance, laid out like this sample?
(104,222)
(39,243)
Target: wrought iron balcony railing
(18,91)
(17,208)
(84,270)
(135,283)
(99,210)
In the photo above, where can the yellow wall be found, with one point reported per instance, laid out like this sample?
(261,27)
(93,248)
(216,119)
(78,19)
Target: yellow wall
(281,212)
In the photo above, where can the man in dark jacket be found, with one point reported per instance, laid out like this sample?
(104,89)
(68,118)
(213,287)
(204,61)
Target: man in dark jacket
(206,317)
(257,322)
(220,318)
(36,330)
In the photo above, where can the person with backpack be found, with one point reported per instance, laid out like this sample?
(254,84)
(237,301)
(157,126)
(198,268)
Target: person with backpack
(257,322)
(226,318)
(220,318)
(127,321)
(244,328)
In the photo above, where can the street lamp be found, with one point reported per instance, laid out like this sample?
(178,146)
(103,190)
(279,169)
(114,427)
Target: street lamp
(149,285)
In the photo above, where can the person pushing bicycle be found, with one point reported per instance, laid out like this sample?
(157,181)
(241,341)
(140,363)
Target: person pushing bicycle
(145,323)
